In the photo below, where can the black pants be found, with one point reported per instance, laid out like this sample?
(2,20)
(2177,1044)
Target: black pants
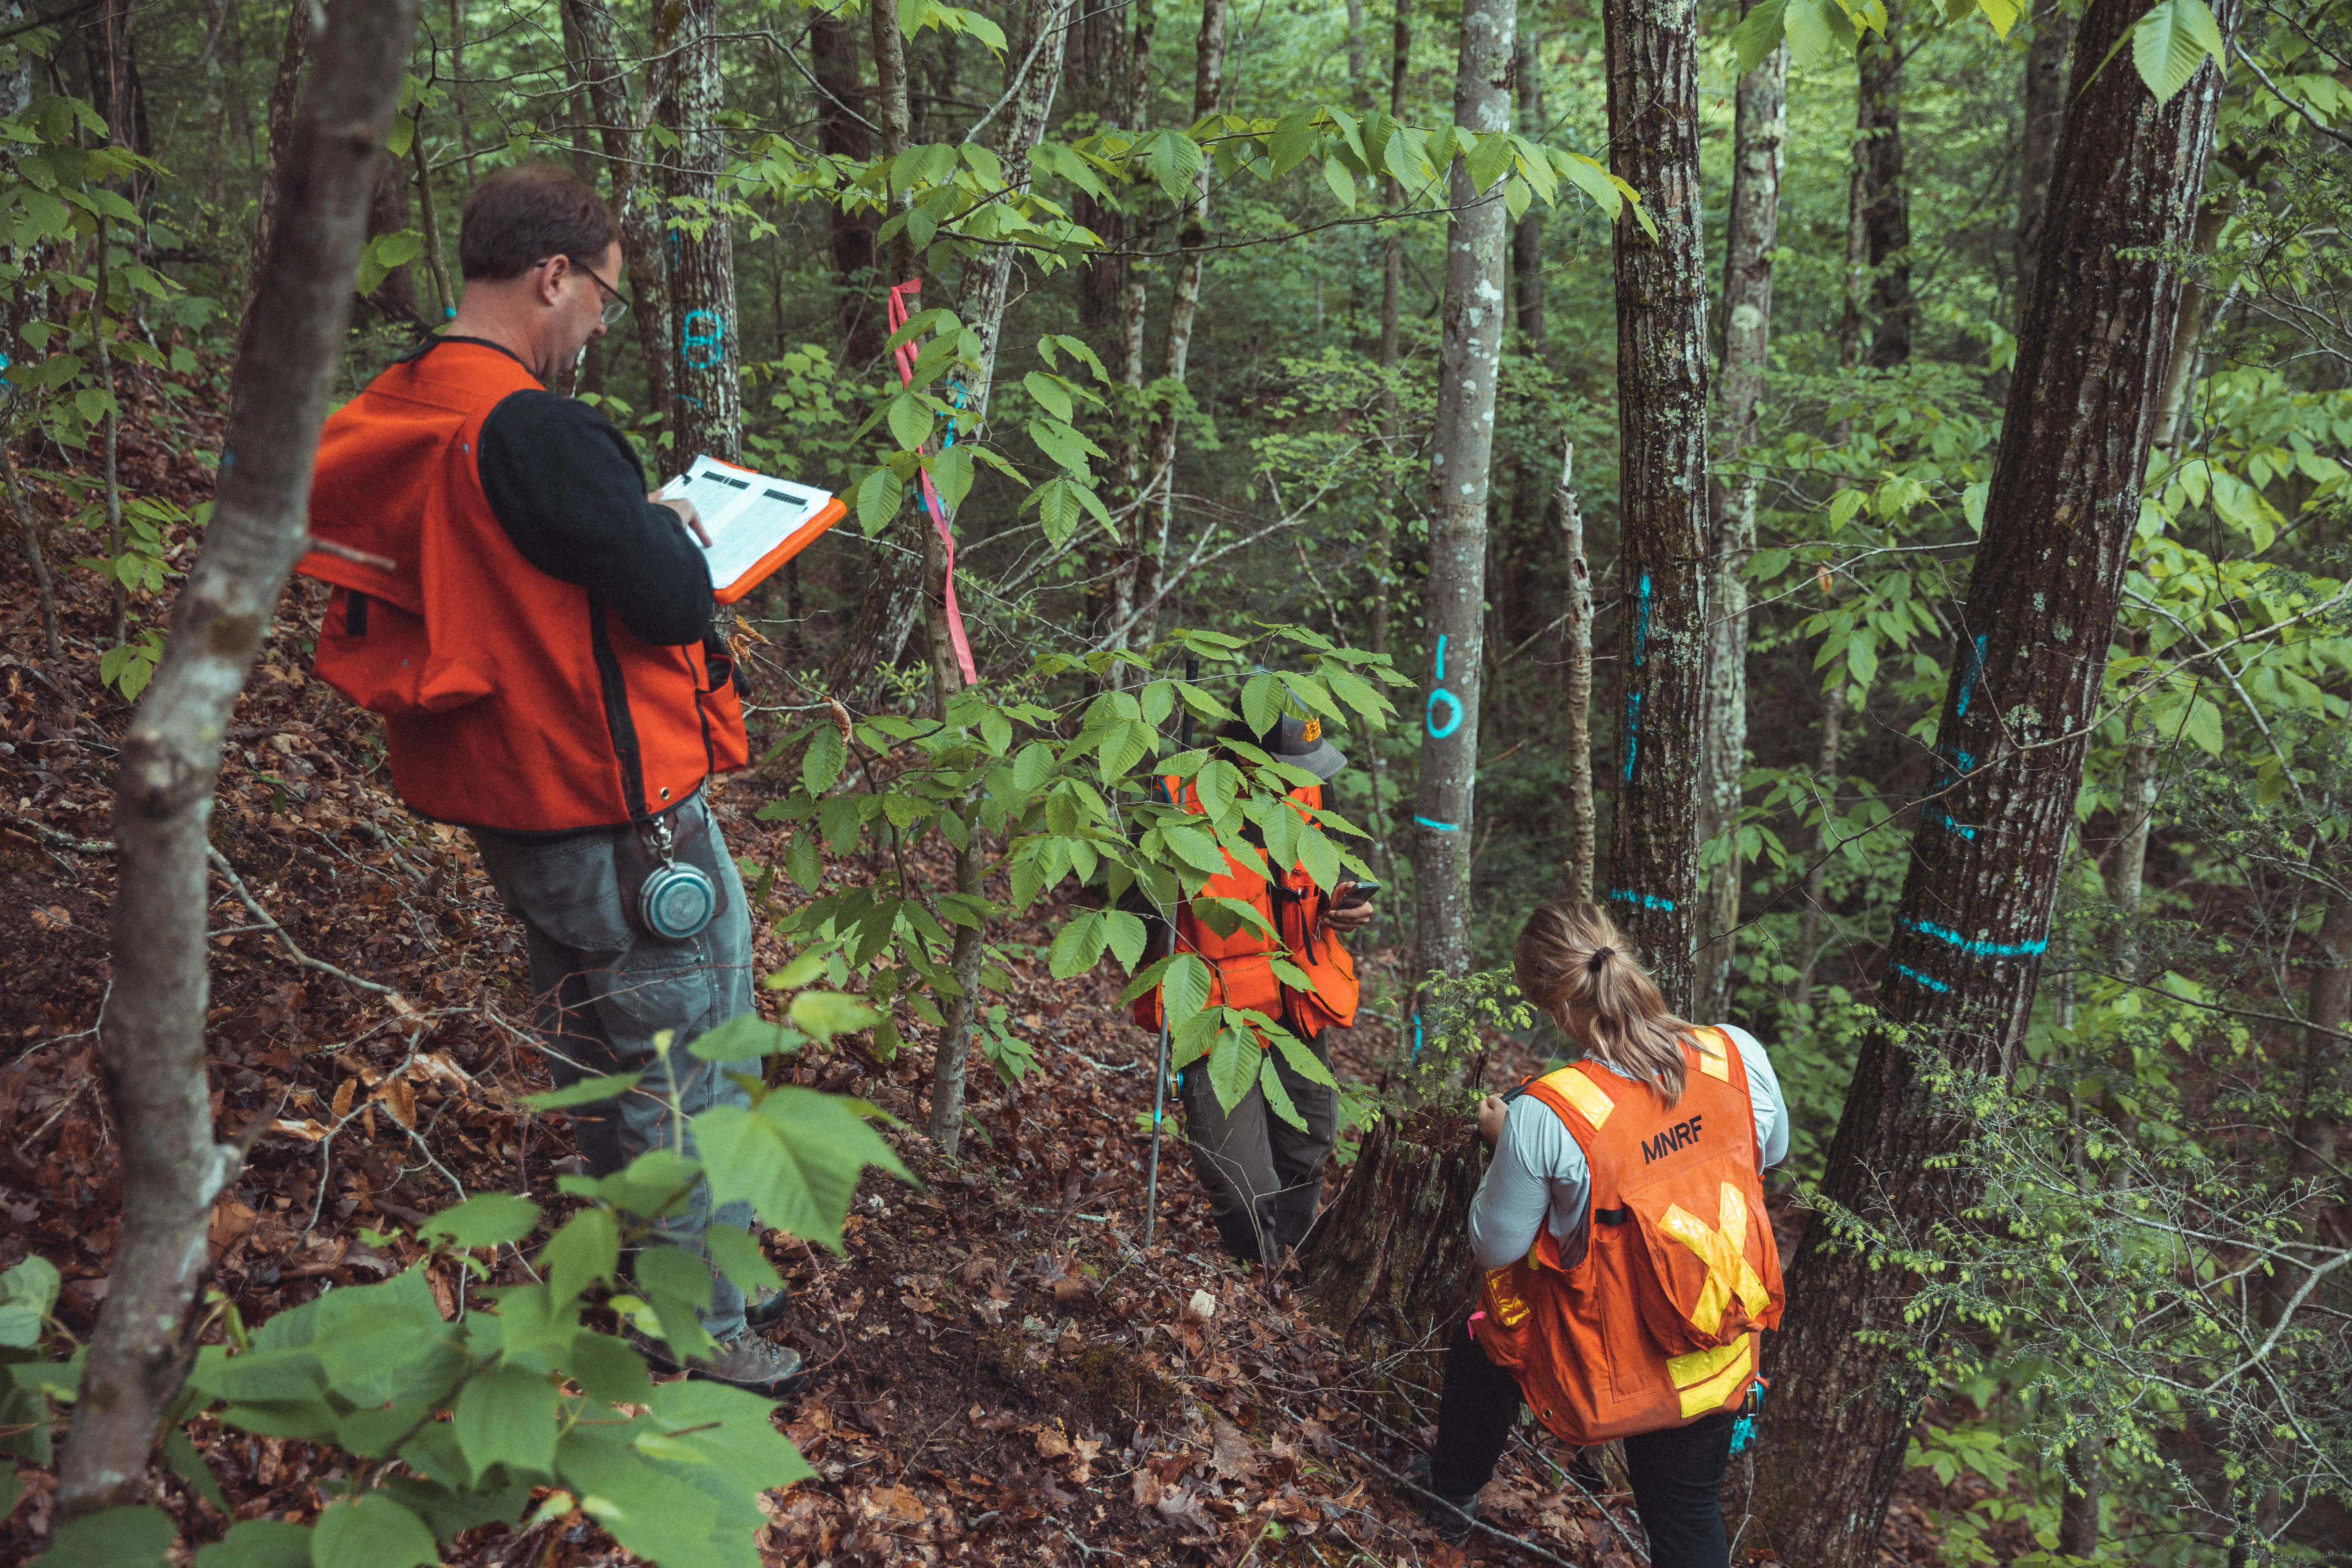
(1263,1176)
(1677,1473)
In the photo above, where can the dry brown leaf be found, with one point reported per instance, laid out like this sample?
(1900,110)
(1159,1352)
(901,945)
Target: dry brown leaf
(344,1097)
(309,1130)
(894,1505)
(1229,1453)
(399,1099)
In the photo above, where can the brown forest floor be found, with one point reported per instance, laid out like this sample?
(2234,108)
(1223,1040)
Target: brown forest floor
(1002,1376)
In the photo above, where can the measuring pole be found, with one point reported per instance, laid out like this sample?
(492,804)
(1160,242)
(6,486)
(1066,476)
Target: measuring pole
(1160,1073)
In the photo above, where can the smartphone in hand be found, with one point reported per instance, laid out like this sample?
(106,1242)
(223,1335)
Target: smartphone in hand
(1361,893)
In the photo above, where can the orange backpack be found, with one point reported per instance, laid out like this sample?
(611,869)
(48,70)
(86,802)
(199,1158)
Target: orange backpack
(1657,1325)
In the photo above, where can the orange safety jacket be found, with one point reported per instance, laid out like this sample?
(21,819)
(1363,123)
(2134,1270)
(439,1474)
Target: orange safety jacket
(1241,967)
(511,700)
(1658,1323)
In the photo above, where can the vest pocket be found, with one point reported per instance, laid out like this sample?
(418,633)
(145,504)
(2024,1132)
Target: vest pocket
(722,709)
(1703,1255)
(381,657)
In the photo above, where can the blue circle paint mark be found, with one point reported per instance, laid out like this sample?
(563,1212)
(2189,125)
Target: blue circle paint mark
(699,338)
(1453,722)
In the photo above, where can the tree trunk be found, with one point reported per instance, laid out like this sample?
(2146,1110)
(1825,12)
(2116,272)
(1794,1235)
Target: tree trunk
(44,586)
(1885,199)
(1661,422)
(1760,126)
(1149,546)
(1527,234)
(112,47)
(2189,337)
(641,232)
(894,119)
(842,133)
(1107,87)
(1986,859)
(1577,872)
(2045,116)
(1462,450)
(1382,561)
(706,389)
(1392,1252)
(285,91)
(152,1039)
(955,1036)
(1825,767)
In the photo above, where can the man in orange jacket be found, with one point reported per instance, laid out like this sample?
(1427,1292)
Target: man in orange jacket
(537,632)
(1264,1175)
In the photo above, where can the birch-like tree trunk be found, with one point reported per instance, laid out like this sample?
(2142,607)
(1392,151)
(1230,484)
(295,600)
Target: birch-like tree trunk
(1031,106)
(1760,127)
(2046,117)
(1149,546)
(1885,199)
(1462,450)
(1828,740)
(894,120)
(707,387)
(641,232)
(152,1039)
(1986,860)
(1576,877)
(1654,883)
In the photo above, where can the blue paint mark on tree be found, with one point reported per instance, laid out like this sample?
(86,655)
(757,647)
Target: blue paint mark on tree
(1439,827)
(1633,698)
(1910,973)
(1438,694)
(1973,947)
(1968,674)
(1641,900)
(701,336)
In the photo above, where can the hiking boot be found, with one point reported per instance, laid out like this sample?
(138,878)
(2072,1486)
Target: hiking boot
(1455,1519)
(766,1309)
(745,1361)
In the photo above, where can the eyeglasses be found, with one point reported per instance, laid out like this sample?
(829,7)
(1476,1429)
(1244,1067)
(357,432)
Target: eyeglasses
(615,307)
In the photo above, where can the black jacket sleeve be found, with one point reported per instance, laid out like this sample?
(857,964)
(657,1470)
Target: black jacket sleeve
(564,483)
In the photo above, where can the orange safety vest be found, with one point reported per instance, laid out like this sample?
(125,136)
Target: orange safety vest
(511,700)
(1241,967)
(1658,1323)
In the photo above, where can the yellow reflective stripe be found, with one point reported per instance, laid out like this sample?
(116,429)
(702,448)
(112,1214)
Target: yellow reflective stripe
(1706,1313)
(1723,1370)
(1715,1064)
(1723,1250)
(1584,1094)
(1734,1230)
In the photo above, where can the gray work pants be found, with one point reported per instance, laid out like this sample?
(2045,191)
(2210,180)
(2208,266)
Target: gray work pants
(1264,1178)
(603,990)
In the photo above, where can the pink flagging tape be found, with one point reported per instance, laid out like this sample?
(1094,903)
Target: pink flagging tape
(905,355)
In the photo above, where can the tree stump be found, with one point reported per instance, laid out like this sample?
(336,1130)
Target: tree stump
(1391,1254)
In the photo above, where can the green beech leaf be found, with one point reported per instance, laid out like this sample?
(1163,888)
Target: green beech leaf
(795,1157)
(259,1543)
(587,1091)
(113,1538)
(1759,33)
(2171,42)
(371,1531)
(487,1219)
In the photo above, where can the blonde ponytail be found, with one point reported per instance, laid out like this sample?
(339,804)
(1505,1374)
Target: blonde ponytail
(1576,965)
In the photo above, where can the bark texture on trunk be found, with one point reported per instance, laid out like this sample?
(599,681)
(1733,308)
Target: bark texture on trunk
(1986,857)
(1391,1254)
(841,133)
(1576,873)
(1885,199)
(112,47)
(950,1067)
(706,389)
(1653,885)
(641,231)
(1760,128)
(895,121)
(2046,117)
(1462,450)
(1147,547)
(1528,234)
(152,1039)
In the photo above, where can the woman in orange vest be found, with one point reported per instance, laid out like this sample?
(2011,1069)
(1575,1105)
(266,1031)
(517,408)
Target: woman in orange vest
(1630,1265)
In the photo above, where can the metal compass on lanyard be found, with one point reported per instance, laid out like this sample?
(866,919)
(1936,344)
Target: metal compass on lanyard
(676,901)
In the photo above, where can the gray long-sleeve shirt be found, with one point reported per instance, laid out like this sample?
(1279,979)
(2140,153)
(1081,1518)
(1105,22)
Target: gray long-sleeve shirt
(1539,1169)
